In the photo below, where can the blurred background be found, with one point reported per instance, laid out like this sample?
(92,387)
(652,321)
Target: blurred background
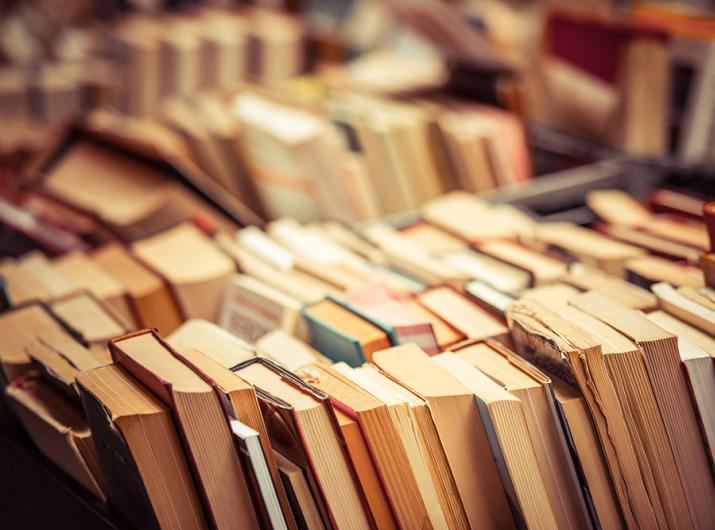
(351,110)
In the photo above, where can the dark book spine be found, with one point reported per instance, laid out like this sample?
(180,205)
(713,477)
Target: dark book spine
(126,492)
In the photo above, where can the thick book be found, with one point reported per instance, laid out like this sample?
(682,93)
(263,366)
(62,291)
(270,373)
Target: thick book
(33,278)
(94,321)
(143,189)
(508,436)
(301,425)
(429,462)
(576,243)
(301,499)
(212,340)
(58,428)
(240,402)
(700,370)
(466,446)
(343,335)
(194,268)
(384,435)
(402,322)
(534,390)
(201,423)
(570,351)
(36,338)
(85,274)
(147,488)
(460,312)
(251,309)
(662,360)
(150,300)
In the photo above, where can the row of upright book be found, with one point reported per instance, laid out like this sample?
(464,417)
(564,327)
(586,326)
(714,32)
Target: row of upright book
(136,61)
(472,369)
(646,94)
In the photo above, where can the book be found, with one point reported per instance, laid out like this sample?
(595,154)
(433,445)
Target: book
(366,471)
(139,194)
(41,340)
(308,434)
(508,437)
(488,297)
(224,53)
(700,371)
(489,270)
(179,58)
(694,59)
(276,44)
(467,451)
(32,277)
(663,362)
(286,151)
(185,118)
(318,256)
(196,270)
(59,430)
(258,256)
(301,499)
(587,454)
(533,388)
(648,270)
(587,246)
(404,325)
(239,400)
(678,230)
(406,256)
(343,335)
(444,334)
(541,268)
(431,238)
(680,328)
(409,413)
(627,365)
(200,421)
(474,220)
(95,322)
(20,325)
(461,313)
(680,306)
(646,78)
(251,309)
(440,489)
(148,488)
(383,436)
(702,296)
(85,274)
(365,468)
(590,279)
(652,243)
(290,352)
(225,135)
(150,299)
(548,340)
(255,463)
(212,340)
(618,208)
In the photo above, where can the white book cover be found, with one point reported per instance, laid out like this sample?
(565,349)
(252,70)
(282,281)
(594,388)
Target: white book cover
(255,464)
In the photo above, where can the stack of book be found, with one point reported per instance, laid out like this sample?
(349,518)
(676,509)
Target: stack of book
(256,300)
(475,368)
(135,61)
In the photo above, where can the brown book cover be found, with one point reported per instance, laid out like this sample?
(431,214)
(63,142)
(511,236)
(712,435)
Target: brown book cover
(201,422)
